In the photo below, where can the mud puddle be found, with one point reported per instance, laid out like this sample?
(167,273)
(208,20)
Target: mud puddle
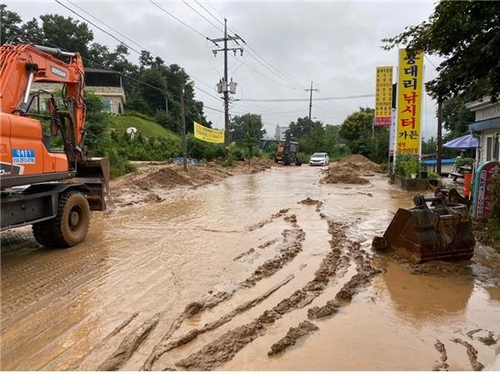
(246,275)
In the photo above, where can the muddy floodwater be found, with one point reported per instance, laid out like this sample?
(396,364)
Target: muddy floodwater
(266,271)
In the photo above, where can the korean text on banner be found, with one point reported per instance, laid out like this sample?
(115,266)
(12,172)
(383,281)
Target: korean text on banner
(409,89)
(383,96)
(207,134)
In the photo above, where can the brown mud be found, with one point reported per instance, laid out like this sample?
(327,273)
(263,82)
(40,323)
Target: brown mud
(441,365)
(293,334)
(351,170)
(230,269)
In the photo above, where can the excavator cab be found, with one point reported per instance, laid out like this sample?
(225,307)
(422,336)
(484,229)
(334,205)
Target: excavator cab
(441,231)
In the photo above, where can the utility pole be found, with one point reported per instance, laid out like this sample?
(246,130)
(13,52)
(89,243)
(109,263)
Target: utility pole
(439,150)
(310,99)
(183,128)
(223,87)
(183,133)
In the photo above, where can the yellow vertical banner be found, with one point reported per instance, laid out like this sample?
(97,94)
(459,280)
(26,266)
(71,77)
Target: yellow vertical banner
(383,96)
(410,82)
(207,134)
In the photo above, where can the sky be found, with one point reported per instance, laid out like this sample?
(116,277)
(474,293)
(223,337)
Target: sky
(336,45)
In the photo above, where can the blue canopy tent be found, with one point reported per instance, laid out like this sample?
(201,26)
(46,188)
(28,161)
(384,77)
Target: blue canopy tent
(465,142)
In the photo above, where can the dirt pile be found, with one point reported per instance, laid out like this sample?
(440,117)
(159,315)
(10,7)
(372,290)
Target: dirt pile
(351,171)
(152,178)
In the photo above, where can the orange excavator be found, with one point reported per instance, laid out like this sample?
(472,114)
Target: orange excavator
(53,190)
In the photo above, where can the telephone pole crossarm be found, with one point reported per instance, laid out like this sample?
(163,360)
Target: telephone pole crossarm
(224,86)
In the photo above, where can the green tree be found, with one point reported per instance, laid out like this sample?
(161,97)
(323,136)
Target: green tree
(94,124)
(357,131)
(378,145)
(332,143)
(466,34)
(456,117)
(302,127)
(66,33)
(149,95)
(10,25)
(429,146)
(247,130)
(145,60)
(314,139)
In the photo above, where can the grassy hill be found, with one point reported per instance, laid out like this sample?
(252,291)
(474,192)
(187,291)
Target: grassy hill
(147,128)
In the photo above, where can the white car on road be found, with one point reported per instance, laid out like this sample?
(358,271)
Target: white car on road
(319,158)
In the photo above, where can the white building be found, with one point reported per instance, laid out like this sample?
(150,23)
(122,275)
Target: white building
(105,84)
(487,127)
(280,132)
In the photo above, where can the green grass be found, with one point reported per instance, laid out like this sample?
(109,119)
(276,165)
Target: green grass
(148,129)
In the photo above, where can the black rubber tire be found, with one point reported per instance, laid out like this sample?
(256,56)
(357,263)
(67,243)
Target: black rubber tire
(42,233)
(71,225)
(298,163)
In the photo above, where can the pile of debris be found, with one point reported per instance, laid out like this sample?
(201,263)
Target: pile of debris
(351,170)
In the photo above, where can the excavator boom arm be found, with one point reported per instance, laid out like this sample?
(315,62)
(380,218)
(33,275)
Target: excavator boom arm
(24,64)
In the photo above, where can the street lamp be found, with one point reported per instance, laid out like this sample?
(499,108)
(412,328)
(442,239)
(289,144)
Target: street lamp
(183,130)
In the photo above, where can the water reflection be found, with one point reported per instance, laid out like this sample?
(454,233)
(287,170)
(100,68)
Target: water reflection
(423,297)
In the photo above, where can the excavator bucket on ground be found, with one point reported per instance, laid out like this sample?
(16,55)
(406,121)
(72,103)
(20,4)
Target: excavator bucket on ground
(441,231)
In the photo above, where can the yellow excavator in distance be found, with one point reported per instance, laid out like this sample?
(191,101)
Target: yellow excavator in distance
(287,151)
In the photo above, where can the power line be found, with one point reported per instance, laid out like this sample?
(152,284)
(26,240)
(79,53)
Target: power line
(177,19)
(278,113)
(262,74)
(202,16)
(272,67)
(213,109)
(93,24)
(167,68)
(206,10)
(97,19)
(303,100)
(262,60)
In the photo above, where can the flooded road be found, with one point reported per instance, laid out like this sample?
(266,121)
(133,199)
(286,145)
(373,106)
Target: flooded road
(268,271)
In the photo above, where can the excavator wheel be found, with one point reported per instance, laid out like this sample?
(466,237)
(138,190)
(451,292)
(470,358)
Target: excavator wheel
(72,221)
(42,233)
(71,224)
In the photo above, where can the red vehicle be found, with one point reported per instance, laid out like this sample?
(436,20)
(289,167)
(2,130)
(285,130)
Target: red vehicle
(52,190)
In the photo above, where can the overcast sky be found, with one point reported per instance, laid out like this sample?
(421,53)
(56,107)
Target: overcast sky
(335,44)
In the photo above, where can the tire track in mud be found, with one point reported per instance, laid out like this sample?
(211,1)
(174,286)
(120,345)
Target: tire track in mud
(166,346)
(65,278)
(113,333)
(261,224)
(293,334)
(292,239)
(441,365)
(471,353)
(363,277)
(129,344)
(224,348)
